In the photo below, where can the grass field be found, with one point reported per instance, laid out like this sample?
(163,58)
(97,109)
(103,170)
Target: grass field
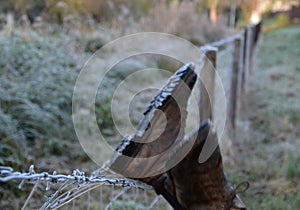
(268,149)
(266,152)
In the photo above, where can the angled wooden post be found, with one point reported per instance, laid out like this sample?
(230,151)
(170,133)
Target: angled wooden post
(203,185)
(207,83)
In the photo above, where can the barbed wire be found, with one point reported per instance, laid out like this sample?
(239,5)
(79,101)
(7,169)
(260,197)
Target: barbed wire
(72,186)
(8,174)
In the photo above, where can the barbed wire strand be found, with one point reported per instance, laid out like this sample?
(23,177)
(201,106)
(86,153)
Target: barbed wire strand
(146,196)
(112,195)
(54,195)
(101,198)
(30,194)
(227,50)
(88,200)
(7,174)
(124,198)
(67,197)
(109,205)
(155,201)
(73,204)
(136,194)
(74,193)
(84,184)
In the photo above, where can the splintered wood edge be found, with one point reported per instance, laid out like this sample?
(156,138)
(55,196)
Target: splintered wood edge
(158,102)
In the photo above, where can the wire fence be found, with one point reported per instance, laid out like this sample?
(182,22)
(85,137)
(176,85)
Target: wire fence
(114,192)
(233,61)
(69,187)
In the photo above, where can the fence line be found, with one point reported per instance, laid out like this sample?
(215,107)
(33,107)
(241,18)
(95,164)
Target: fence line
(244,44)
(73,186)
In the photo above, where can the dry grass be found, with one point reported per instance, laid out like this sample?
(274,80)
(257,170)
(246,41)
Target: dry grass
(181,19)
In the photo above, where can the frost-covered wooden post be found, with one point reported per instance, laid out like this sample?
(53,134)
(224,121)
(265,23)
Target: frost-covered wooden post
(207,83)
(252,42)
(245,61)
(255,31)
(234,81)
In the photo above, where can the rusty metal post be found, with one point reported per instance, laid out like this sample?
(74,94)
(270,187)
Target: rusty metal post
(207,84)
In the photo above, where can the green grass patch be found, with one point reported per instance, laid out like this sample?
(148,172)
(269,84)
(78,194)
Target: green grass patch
(293,166)
(281,46)
(37,76)
(279,22)
(269,157)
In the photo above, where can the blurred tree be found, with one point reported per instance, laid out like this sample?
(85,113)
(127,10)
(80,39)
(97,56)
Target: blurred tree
(6,6)
(213,6)
(230,11)
(76,5)
(250,10)
(35,9)
(21,6)
(57,10)
(100,9)
(137,8)
(106,10)
(233,17)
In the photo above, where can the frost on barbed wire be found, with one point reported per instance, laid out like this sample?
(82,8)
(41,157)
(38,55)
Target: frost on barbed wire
(7,174)
(72,186)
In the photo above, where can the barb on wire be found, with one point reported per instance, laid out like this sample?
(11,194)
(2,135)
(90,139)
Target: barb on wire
(67,191)
(8,174)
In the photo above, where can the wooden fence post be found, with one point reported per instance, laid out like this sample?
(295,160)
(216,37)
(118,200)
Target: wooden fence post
(235,81)
(244,62)
(257,32)
(251,46)
(10,24)
(207,83)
